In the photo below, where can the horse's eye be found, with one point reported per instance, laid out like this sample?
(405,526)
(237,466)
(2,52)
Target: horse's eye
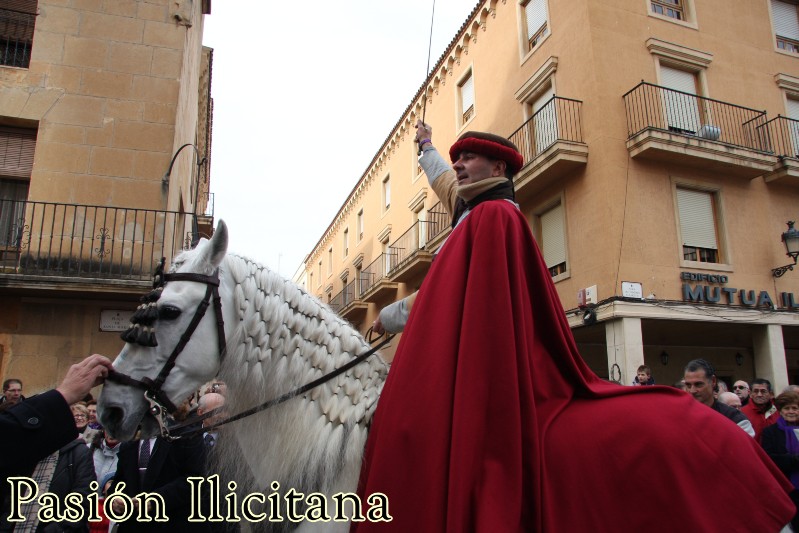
(168,312)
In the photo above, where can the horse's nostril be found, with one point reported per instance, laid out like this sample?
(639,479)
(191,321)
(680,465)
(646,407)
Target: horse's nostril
(114,416)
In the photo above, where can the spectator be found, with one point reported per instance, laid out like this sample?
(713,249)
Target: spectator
(741,388)
(791,388)
(761,410)
(721,386)
(91,406)
(160,466)
(12,392)
(105,453)
(679,384)
(81,415)
(781,443)
(643,376)
(102,489)
(730,399)
(700,382)
(209,402)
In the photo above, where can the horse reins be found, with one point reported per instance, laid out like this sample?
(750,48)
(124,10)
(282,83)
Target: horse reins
(161,405)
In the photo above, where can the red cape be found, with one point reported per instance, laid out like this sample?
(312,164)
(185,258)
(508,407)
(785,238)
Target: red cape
(490,421)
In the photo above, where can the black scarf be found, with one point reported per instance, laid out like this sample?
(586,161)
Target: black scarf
(503,191)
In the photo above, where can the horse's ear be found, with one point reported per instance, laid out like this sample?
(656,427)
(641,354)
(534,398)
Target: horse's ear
(217,246)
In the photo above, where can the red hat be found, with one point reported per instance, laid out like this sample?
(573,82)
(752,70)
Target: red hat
(489,145)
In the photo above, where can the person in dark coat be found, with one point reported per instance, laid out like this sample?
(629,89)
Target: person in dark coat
(166,473)
(73,473)
(782,444)
(32,430)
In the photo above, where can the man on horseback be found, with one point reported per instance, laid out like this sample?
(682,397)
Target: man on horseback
(491,421)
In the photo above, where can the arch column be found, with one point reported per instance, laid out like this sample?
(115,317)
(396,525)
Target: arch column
(625,347)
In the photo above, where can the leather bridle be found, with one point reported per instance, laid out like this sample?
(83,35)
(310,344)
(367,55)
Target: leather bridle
(160,404)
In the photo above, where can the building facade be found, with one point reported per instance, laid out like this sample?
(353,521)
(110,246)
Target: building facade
(105,129)
(660,140)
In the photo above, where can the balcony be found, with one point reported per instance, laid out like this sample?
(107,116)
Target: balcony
(551,142)
(87,248)
(348,304)
(375,284)
(677,127)
(783,135)
(438,226)
(410,258)
(16,37)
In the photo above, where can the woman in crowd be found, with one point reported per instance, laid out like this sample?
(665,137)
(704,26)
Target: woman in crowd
(781,442)
(81,414)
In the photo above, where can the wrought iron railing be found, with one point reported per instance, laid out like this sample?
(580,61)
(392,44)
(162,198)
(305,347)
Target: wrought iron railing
(345,297)
(410,242)
(651,106)
(16,37)
(376,271)
(558,120)
(783,136)
(86,241)
(437,221)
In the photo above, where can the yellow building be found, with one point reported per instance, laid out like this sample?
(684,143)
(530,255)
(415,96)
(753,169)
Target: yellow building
(95,99)
(661,141)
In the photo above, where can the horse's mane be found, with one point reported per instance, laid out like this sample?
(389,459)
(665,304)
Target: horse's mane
(283,339)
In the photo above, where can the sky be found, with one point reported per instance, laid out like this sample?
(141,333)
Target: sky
(304,95)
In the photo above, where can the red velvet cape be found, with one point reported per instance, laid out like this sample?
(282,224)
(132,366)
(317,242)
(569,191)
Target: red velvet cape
(490,421)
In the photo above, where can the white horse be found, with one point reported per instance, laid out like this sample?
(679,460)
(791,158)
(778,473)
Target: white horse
(278,339)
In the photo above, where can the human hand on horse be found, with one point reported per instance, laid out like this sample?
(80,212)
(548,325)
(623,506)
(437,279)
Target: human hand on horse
(81,377)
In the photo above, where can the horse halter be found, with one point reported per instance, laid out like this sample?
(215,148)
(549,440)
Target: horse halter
(141,332)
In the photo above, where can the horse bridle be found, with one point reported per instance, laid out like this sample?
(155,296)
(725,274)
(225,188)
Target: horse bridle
(160,404)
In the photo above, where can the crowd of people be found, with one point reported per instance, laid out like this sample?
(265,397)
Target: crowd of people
(153,465)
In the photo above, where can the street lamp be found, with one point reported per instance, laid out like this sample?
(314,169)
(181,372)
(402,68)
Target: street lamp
(790,238)
(165,182)
(200,162)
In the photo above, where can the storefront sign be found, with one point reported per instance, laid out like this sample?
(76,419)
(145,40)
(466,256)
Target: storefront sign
(714,293)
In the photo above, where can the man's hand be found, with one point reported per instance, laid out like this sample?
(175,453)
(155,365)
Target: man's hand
(423,132)
(377,326)
(81,377)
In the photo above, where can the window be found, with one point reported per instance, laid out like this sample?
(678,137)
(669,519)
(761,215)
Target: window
(16,163)
(360,225)
(786,25)
(669,8)
(697,211)
(386,193)
(329,260)
(17,20)
(310,281)
(681,104)
(545,120)
(535,16)
(466,90)
(346,242)
(420,217)
(553,239)
(792,110)
(387,254)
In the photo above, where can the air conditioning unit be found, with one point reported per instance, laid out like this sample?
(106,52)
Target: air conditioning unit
(711,133)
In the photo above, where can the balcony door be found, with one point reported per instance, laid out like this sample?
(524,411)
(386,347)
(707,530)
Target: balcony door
(793,125)
(681,110)
(545,120)
(17,147)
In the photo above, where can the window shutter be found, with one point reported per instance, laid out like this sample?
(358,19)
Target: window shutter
(16,152)
(467,94)
(677,79)
(536,12)
(543,99)
(553,241)
(786,19)
(792,108)
(697,220)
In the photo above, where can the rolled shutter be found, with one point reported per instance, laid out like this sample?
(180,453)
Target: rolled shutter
(553,236)
(467,94)
(16,152)
(536,12)
(786,19)
(697,219)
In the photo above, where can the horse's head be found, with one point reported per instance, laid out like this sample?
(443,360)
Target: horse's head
(122,406)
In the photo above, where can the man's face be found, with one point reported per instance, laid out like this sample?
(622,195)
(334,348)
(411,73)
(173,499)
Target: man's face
(643,378)
(92,413)
(13,393)
(741,388)
(700,386)
(471,168)
(761,395)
